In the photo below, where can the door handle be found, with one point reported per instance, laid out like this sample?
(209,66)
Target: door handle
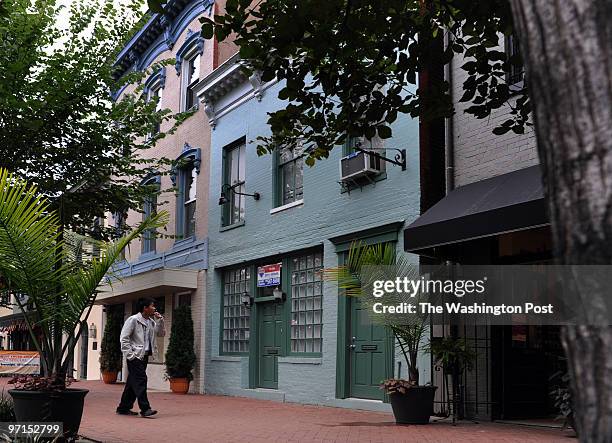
(352,347)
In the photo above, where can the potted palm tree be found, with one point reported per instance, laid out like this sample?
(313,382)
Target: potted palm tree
(111,358)
(44,265)
(180,356)
(412,403)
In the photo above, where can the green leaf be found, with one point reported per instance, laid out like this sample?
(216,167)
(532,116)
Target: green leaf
(156,6)
(501,130)
(384,132)
(207,30)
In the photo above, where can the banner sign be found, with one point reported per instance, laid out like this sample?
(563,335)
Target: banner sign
(19,362)
(269,275)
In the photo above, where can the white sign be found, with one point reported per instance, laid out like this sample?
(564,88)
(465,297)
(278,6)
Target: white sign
(269,275)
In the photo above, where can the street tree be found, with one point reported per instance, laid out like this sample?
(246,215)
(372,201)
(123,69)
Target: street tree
(60,127)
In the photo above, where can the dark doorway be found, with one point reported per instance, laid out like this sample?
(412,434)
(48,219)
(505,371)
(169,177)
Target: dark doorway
(84,352)
(526,360)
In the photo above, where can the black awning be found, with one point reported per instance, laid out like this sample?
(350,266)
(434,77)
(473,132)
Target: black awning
(505,203)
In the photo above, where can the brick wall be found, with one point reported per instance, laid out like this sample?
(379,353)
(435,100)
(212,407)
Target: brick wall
(196,132)
(326,212)
(480,154)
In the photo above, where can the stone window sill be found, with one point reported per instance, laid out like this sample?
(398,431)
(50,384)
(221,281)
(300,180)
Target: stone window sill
(287,206)
(232,226)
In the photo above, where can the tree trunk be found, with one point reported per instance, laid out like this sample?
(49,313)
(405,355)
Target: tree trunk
(567,49)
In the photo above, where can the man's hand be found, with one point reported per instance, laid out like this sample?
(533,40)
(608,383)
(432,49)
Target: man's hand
(158,316)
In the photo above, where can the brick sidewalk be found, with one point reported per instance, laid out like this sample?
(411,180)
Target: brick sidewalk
(205,418)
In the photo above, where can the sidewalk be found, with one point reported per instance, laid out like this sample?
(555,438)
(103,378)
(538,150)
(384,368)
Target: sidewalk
(206,418)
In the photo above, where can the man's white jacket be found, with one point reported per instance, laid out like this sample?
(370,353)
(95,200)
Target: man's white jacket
(133,335)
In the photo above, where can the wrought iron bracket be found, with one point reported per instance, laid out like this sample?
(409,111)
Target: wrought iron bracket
(399,160)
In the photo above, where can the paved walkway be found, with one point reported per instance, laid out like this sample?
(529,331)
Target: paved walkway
(207,418)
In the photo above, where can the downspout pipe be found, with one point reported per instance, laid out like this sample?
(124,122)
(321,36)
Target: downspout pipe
(449,145)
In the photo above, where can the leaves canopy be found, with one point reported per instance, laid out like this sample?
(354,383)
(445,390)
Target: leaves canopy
(59,127)
(347,65)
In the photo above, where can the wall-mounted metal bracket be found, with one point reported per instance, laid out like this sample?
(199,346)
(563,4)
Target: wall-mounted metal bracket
(400,157)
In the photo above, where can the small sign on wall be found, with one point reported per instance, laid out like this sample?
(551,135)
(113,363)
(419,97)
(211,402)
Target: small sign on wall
(269,275)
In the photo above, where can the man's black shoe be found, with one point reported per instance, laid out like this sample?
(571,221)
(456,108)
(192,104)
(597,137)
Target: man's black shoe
(122,412)
(148,413)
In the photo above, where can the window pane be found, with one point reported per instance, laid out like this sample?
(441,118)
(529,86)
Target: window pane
(191,99)
(287,183)
(148,237)
(190,218)
(242,204)
(299,178)
(241,162)
(234,165)
(235,334)
(306,315)
(235,210)
(195,69)
(192,185)
(158,97)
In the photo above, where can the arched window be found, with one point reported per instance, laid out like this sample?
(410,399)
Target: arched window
(149,208)
(188,60)
(153,90)
(184,177)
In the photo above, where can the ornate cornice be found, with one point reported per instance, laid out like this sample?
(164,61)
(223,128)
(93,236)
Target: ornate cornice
(159,33)
(221,81)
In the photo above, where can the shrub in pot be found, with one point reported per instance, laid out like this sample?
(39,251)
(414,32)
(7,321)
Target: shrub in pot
(411,402)
(111,358)
(180,356)
(453,356)
(47,264)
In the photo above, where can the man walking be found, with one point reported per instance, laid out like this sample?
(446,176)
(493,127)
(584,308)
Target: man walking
(137,343)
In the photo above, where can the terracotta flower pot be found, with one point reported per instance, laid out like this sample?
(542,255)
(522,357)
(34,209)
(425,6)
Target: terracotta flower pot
(179,385)
(109,377)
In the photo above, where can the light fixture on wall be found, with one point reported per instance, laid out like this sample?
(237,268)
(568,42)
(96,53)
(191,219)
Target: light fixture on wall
(226,191)
(278,294)
(246,299)
(93,330)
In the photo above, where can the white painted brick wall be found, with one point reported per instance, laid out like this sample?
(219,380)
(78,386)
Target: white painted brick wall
(480,154)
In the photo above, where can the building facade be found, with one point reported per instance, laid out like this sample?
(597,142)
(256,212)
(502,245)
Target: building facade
(493,214)
(171,268)
(275,328)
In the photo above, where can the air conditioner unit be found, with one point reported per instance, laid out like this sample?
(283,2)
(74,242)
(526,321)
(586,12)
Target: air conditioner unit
(359,164)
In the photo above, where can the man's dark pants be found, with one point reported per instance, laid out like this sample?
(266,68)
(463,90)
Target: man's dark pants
(135,386)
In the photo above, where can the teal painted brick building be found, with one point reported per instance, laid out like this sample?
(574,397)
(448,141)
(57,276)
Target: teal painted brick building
(304,345)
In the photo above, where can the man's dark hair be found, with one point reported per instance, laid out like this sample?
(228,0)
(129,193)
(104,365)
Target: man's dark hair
(144,302)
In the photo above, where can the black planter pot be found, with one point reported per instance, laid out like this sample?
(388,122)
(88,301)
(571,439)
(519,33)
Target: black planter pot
(64,406)
(415,406)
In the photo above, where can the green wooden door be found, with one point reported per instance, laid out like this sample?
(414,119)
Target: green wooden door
(271,337)
(368,359)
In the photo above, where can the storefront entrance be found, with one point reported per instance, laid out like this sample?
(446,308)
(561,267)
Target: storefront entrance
(527,359)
